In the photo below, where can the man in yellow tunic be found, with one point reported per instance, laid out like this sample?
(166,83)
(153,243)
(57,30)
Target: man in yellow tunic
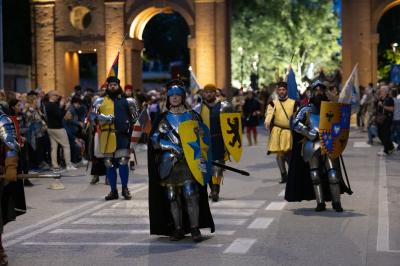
(277,120)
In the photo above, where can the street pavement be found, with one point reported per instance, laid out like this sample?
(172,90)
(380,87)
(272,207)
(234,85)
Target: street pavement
(254,224)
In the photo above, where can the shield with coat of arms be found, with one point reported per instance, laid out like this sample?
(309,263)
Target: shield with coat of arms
(334,128)
(196,142)
(231,127)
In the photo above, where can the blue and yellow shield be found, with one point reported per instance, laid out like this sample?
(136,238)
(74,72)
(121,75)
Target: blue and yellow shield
(196,142)
(231,127)
(334,128)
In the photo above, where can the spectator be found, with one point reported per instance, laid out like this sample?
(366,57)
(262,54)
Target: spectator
(384,117)
(396,119)
(55,111)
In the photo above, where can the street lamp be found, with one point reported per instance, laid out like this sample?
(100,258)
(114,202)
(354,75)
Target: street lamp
(241,53)
(394,46)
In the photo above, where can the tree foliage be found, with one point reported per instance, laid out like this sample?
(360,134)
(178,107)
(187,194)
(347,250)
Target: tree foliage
(278,30)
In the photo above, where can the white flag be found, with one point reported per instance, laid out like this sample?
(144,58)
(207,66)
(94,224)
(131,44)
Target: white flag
(350,93)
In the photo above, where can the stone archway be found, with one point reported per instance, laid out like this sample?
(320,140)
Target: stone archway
(53,39)
(360,37)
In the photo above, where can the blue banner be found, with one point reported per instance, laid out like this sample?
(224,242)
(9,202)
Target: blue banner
(395,74)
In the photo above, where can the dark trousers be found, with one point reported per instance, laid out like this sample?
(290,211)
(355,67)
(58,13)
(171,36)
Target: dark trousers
(384,135)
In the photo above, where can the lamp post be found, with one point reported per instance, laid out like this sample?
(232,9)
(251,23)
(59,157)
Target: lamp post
(241,53)
(394,46)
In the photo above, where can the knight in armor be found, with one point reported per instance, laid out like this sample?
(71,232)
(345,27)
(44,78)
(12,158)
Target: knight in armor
(277,120)
(173,190)
(210,110)
(116,114)
(313,175)
(12,197)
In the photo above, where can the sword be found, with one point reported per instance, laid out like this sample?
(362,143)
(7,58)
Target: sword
(25,176)
(223,166)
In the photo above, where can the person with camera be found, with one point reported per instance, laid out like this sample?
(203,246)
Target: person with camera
(384,117)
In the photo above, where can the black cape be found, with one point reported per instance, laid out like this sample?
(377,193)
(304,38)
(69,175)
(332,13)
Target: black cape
(161,222)
(299,186)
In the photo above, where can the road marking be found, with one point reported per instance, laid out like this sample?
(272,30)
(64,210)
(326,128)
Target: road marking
(238,203)
(152,244)
(233,212)
(276,206)
(361,144)
(128,232)
(119,221)
(122,212)
(131,204)
(61,222)
(260,223)
(240,245)
(282,193)
(16,232)
(57,216)
(382,241)
(224,221)
(99,231)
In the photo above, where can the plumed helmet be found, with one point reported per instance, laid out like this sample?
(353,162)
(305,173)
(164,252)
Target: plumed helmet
(317,84)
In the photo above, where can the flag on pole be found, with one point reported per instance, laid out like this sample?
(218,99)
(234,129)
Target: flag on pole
(194,85)
(114,68)
(293,93)
(350,93)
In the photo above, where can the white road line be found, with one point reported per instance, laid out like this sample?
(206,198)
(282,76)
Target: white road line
(99,231)
(382,241)
(282,193)
(276,206)
(240,245)
(63,221)
(233,212)
(238,203)
(131,204)
(57,216)
(361,144)
(48,220)
(120,221)
(260,223)
(128,232)
(122,212)
(152,244)
(223,221)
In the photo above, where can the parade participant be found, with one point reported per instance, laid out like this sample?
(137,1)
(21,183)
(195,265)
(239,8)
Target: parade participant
(116,114)
(277,120)
(172,186)
(12,195)
(312,174)
(251,113)
(210,110)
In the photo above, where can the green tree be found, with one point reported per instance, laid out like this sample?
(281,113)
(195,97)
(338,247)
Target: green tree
(278,30)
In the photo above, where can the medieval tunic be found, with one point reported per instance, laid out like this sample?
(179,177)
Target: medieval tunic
(280,139)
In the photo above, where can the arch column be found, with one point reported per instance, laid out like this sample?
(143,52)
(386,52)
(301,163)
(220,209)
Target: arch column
(134,63)
(114,34)
(374,57)
(205,41)
(43,12)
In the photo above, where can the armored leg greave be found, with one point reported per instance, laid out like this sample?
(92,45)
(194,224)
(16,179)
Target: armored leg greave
(192,202)
(333,180)
(317,186)
(175,206)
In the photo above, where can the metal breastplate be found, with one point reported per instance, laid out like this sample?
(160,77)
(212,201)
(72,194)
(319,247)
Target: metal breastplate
(314,121)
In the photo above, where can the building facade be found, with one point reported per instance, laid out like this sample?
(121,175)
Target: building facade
(62,28)
(360,20)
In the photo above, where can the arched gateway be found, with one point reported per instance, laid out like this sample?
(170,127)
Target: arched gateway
(360,20)
(64,28)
